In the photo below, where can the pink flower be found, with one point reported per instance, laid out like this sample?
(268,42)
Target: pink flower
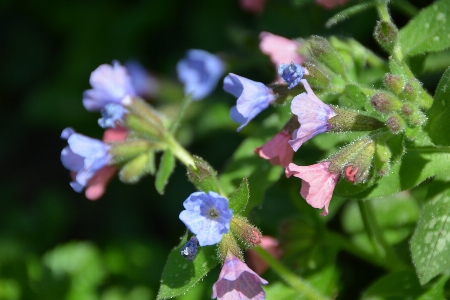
(255,261)
(329,4)
(280,49)
(253,6)
(317,183)
(238,281)
(312,114)
(277,150)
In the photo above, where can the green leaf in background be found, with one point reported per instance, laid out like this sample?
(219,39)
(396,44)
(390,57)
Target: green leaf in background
(428,31)
(205,177)
(180,275)
(439,113)
(166,167)
(430,244)
(239,199)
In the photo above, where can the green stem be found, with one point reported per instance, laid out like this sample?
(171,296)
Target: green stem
(183,107)
(182,154)
(405,7)
(376,236)
(304,288)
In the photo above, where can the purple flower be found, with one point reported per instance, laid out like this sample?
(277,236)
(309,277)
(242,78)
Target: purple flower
(291,73)
(238,281)
(112,113)
(85,156)
(199,72)
(312,114)
(190,248)
(207,216)
(144,83)
(253,97)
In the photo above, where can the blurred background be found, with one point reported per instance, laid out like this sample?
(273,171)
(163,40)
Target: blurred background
(56,244)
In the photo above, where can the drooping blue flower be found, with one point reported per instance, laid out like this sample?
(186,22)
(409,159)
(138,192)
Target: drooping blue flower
(291,73)
(312,114)
(144,84)
(199,71)
(110,84)
(253,97)
(190,248)
(84,156)
(207,216)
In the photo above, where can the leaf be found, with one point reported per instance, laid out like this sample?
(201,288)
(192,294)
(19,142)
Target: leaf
(428,31)
(239,199)
(430,244)
(439,113)
(166,167)
(180,275)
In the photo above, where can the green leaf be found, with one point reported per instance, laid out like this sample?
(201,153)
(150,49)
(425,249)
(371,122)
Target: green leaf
(239,199)
(428,31)
(439,113)
(430,244)
(166,167)
(352,97)
(205,177)
(180,275)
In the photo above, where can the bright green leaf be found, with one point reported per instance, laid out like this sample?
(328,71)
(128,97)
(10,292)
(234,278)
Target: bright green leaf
(395,286)
(239,199)
(428,31)
(180,275)
(166,167)
(439,113)
(430,244)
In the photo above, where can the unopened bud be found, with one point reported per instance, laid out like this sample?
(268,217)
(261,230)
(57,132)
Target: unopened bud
(394,83)
(347,154)
(409,92)
(386,35)
(204,177)
(395,123)
(189,250)
(317,77)
(385,102)
(229,244)
(248,234)
(382,158)
(347,120)
(322,51)
(136,168)
(412,132)
(357,170)
(413,115)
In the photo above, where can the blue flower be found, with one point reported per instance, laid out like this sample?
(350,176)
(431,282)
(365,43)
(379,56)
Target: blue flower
(253,97)
(112,113)
(85,156)
(199,72)
(190,248)
(111,84)
(291,73)
(207,216)
(313,115)
(144,83)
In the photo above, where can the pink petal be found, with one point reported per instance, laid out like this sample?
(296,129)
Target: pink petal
(329,4)
(96,186)
(115,134)
(253,6)
(277,150)
(280,49)
(255,262)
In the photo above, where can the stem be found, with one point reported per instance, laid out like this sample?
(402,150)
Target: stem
(405,7)
(376,237)
(299,284)
(182,154)
(183,107)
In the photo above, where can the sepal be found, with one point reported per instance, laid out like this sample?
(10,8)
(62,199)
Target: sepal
(249,235)
(203,177)
(386,35)
(229,244)
(347,120)
(322,51)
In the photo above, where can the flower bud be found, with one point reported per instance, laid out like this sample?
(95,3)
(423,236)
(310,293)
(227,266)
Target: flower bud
(136,168)
(412,132)
(229,244)
(123,151)
(394,83)
(346,120)
(248,234)
(413,115)
(386,35)
(322,51)
(347,154)
(189,250)
(357,170)
(317,77)
(382,158)
(409,92)
(385,102)
(395,123)
(204,177)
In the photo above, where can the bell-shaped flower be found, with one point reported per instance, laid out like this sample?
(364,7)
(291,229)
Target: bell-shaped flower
(277,150)
(317,183)
(238,281)
(329,4)
(110,84)
(207,216)
(84,156)
(200,71)
(291,73)
(280,49)
(256,262)
(312,115)
(253,97)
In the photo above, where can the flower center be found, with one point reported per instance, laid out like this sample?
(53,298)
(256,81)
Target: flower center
(213,213)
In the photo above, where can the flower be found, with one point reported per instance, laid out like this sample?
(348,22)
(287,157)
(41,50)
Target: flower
(317,183)
(312,114)
(238,281)
(190,248)
(253,6)
(280,49)
(291,73)
(145,85)
(199,72)
(85,156)
(272,246)
(277,150)
(110,84)
(207,216)
(253,97)
(329,4)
